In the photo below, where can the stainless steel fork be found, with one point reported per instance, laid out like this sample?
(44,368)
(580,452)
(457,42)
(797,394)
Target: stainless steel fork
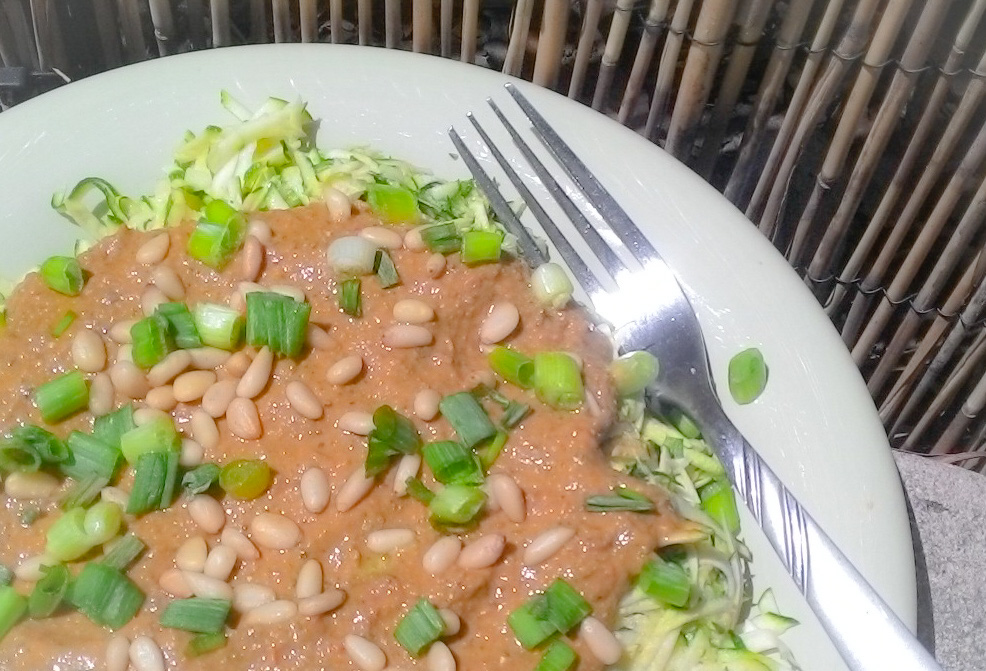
(866,632)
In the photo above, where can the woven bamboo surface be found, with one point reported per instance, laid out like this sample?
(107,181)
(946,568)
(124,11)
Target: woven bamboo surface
(851,133)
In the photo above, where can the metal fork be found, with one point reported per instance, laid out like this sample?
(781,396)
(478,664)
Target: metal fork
(864,629)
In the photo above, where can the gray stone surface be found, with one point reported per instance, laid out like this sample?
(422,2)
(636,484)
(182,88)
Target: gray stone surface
(948,522)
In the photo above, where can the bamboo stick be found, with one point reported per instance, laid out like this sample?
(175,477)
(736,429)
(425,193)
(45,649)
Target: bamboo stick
(970,409)
(447,10)
(642,60)
(15,32)
(258,21)
(164,25)
(41,27)
(392,23)
(668,66)
(421,19)
(789,125)
(195,13)
(887,118)
(929,233)
(470,30)
(611,53)
(104,12)
(365,21)
(771,86)
(135,46)
(309,20)
(335,21)
(221,29)
(281,11)
(551,43)
(517,47)
(587,38)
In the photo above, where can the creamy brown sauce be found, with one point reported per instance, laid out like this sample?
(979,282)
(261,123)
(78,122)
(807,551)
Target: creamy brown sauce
(554,456)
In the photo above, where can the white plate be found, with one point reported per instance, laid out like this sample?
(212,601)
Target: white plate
(815,423)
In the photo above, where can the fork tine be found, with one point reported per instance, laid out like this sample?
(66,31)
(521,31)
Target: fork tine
(583,275)
(528,247)
(596,193)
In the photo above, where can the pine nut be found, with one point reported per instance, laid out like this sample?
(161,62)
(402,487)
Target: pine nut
(146,655)
(173,582)
(452,622)
(322,603)
(407,467)
(207,358)
(115,495)
(192,555)
(101,394)
(154,250)
(118,653)
(353,490)
(309,580)
(385,541)
(128,379)
(365,654)
(257,375)
(237,364)
(88,351)
(243,546)
(253,258)
(426,404)
(207,513)
(167,280)
(501,321)
(441,555)
(192,385)
(601,642)
(162,398)
(204,429)
(29,569)
(248,596)
(151,299)
(220,563)
(482,552)
(192,453)
(243,419)
(125,353)
(217,398)
(481,377)
(30,486)
(120,331)
(413,311)
(290,291)
(245,288)
(170,367)
(435,265)
(275,532)
(317,338)
(259,229)
(383,237)
(354,421)
(205,587)
(303,400)
(508,495)
(405,336)
(275,612)
(315,490)
(238,302)
(546,544)
(439,658)
(144,416)
(345,370)
(340,207)
(413,242)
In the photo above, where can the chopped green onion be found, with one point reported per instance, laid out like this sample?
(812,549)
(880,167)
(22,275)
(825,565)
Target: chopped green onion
(67,538)
(514,414)
(109,428)
(277,321)
(181,325)
(624,500)
(29,515)
(103,522)
(158,435)
(488,453)
(49,447)
(468,418)
(481,247)
(392,434)
(386,271)
(151,341)
(453,463)
(719,503)
(530,629)
(246,479)
(89,456)
(105,595)
(558,656)
(63,274)
(393,204)
(203,644)
(48,592)
(512,366)
(13,606)
(350,299)
(63,396)
(747,376)
(155,482)
(200,479)
(457,504)
(442,238)
(552,286)
(218,325)
(61,326)
(563,606)
(418,491)
(83,492)
(18,456)
(665,581)
(123,552)
(684,424)
(558,380)
(422,626)
(217,236)
(202,616)
(632,372)
(351,255)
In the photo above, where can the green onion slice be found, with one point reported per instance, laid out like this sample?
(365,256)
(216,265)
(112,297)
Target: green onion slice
(530,629)
(158,435)
(181,325)
(18,456)
(385,270)
(123,552)
(246,479)
(457,504)
(67,538)
(90,457)
(559,656)
(563,606)
(105,595)
(633,372)
(453,463)
(203,644)
(665,581)
(481,247)
(63,274)
(514,414)
(393,204)
(218,325)
(488,453)
(418,491)
(109,428)
(719,503)
(61,397)
(623,499)
(83,492)
(442,238)
(217,236)
(468,418)
(200,479)
(558,380)
(422,626)
(61,326)
(747,376)
(350,299)
(392,434)
(49,447)
(202,616)
(151,341)
(512,366)
(277,321)
(155,482)
(48,592)
(103,522)
(13,606)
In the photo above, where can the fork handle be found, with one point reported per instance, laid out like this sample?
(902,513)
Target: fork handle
(866,632)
